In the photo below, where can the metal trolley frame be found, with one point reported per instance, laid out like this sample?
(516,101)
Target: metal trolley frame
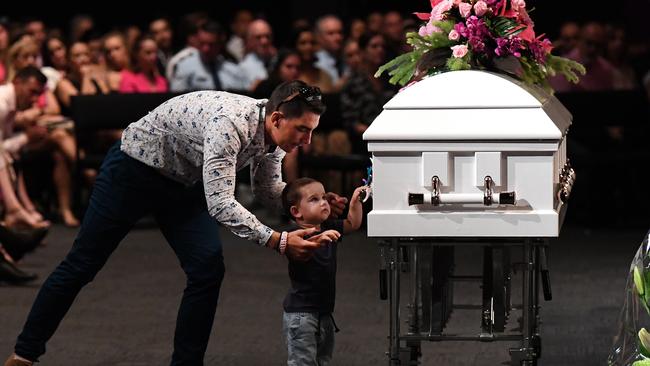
(429,265)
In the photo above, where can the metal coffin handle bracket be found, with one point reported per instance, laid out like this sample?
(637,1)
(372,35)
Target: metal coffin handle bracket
(567,179)
(435,194)
(487,195)
(436,198)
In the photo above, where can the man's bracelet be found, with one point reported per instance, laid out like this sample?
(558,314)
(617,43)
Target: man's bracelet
(282,246)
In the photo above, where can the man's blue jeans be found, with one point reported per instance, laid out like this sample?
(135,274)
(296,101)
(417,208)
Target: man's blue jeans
(125,191)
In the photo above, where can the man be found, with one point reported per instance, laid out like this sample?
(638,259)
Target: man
(16,98)
(329,33)
(179,162)
(236,45)
(205,67)
(188,30)
(161,31)
(259,42)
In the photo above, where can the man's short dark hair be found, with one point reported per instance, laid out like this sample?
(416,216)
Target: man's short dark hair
(212,27)
(291,193)
(29,72)
(298,105)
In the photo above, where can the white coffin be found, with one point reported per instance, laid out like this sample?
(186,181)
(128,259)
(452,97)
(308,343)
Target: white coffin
(462,126)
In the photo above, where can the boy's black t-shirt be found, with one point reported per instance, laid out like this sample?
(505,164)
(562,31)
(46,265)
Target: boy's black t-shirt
(313,283)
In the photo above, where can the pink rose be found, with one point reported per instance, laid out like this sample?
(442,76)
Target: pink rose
(464,9)
(459,51)
(453,35)
(428,29)
(480,8)
(437,13)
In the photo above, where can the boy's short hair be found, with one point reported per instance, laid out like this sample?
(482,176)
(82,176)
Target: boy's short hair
(291,193)
(294,98)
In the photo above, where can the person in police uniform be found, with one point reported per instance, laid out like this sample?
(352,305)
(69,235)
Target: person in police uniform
(205,67)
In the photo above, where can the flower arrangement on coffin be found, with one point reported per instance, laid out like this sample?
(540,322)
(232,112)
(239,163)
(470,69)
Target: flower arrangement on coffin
(479,34)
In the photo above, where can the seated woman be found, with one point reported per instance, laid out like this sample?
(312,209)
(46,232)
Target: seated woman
(363,96)
(304,41)
(19,210)
(285,67)
(82,79)
(145,76)
(55,60)
(117,59)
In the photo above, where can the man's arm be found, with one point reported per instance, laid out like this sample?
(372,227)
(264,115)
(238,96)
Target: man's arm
(266,179)
(221,146)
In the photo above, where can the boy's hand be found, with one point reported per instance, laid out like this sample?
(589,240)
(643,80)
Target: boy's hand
(337,204)
(298,248)
(357,195)
(326,237)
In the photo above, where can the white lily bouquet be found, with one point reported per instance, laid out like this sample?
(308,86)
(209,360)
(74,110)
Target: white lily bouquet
(632,344)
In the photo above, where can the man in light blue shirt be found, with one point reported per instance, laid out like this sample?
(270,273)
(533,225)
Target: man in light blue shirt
(259,40)
(206,67)
(329,33)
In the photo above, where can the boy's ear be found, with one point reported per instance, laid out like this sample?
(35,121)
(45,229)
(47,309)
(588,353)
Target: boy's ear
(294,212)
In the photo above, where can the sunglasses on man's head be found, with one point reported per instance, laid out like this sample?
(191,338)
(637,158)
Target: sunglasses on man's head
(306,93)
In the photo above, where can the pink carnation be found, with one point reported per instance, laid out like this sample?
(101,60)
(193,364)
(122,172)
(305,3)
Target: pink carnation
(480,8)
(453,35)
(437,13)
(464,9)
(428,29)
(517,5)
(456,2)
(459,51)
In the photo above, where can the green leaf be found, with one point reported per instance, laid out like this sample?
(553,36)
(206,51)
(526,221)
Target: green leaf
(569,68)
(506,27)
(644,342)
(396,62)
(638,282)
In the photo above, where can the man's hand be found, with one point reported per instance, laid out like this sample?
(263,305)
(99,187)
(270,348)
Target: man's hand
(29,116)
(300,249)
(337,204)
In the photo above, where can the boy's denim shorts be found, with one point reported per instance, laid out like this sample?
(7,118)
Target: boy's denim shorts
(310,342)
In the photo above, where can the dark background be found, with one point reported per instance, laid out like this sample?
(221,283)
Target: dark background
(548,14)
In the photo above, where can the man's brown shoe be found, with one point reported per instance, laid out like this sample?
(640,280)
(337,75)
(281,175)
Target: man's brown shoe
(11,361)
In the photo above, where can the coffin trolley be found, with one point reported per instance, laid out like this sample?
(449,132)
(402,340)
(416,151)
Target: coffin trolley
(467,158)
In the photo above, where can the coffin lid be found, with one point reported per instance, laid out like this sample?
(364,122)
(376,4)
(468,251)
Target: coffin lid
(470,105)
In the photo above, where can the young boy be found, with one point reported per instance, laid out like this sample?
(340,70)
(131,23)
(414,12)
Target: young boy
(308,324)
